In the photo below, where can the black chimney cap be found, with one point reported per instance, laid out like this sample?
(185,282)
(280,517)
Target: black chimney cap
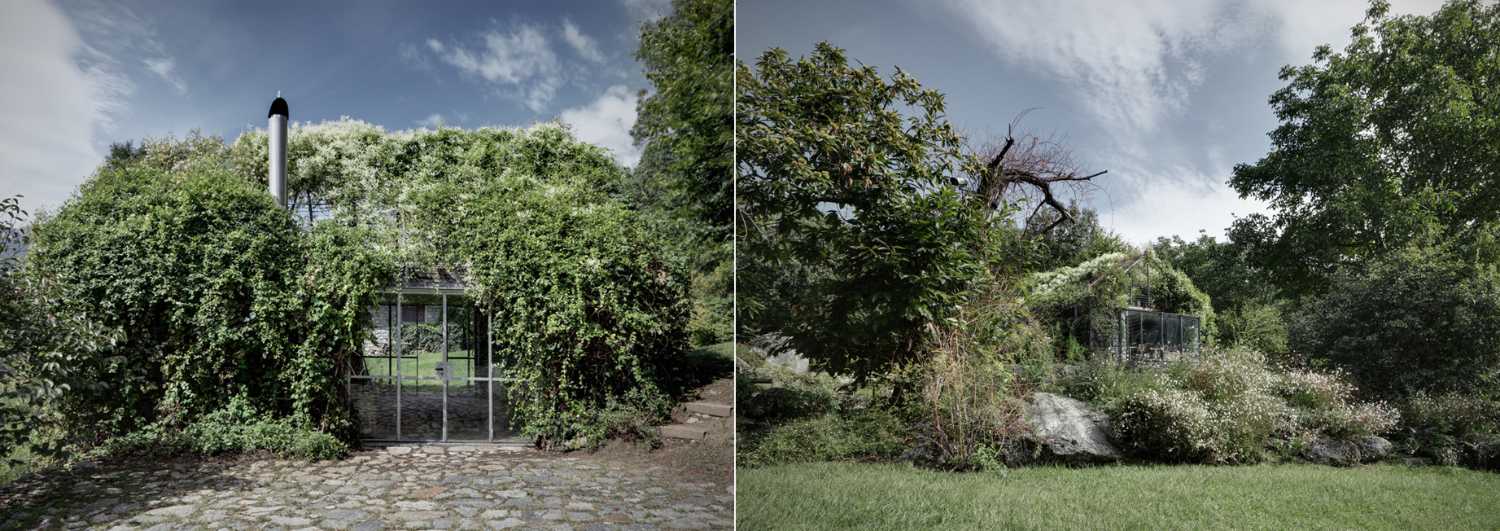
(279,107)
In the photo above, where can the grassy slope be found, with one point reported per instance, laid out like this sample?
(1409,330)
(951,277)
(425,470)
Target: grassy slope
(869,496)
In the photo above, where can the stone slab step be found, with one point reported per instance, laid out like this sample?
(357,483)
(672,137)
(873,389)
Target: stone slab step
(713,409)
(683,431)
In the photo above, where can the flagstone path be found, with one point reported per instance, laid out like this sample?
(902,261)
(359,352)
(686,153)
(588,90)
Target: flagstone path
(422,487)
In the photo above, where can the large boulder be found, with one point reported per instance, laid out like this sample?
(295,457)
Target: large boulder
(1068,430)
(1341,452)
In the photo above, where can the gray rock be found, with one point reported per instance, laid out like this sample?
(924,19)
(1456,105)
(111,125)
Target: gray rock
(1374,448)
(1339,452)
(1068,430)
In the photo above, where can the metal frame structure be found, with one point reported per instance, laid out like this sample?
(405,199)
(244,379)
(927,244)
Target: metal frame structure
(442,371)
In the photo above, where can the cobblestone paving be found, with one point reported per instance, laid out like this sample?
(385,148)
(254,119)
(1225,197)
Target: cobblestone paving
(424,487)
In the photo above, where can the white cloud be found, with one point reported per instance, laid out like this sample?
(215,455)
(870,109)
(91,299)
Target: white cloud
(583,44)
(1167,210)
(648,9)
(1132,66)
(433,121)
(606,123)
(47,139)
(1130,63)
(520,61)
(166,69)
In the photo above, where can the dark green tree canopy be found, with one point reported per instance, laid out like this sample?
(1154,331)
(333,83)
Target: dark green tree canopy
(852,235)
(1394,137)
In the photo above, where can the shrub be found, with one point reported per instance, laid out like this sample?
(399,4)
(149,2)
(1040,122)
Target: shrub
(1314,390)
(587,308)
(1232,407)
(986,359)
(864,434)
(198,270)
(209,289)
(1103,381)
(1170,425)
(236,428)
(1454,429)
(1254,326)
(1230,375)
(631,418)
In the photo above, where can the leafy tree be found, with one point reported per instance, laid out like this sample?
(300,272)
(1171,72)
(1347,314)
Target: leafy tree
(685,173)
(1221,269)
(1420,319)
(1389,139)
(686,123)
(852,236)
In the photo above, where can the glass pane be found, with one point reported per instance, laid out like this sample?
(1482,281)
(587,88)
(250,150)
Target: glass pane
(422,411)
(462,327)
(421,335)
(1151,330)
(374,405)
(468,410)
(1172,332)
(377,357)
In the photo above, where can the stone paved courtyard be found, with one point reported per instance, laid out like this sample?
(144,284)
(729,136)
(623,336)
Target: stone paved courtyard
(423,487)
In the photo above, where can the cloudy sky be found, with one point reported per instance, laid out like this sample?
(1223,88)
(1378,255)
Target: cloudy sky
(1166,95)
(80,75)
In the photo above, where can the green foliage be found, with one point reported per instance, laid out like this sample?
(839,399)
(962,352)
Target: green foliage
(686,123)
(342,279)
(712,291)
(631,418)
(854,237)
(192,286)
(1418,319)
(1378,144)
(1254,326)
(971,402)
(862,434)
(794,396)
(586,307)
(197,269)
(1222,270)
(1104,381)
(236,428)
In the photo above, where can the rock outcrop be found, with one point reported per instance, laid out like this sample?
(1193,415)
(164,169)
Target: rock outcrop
(1338,452)
(1068,430)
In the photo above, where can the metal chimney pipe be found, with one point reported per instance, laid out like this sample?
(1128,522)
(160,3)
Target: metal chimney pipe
(276,128)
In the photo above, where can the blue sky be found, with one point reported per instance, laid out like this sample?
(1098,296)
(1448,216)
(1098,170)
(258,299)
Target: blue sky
(81,74)
(1166,95)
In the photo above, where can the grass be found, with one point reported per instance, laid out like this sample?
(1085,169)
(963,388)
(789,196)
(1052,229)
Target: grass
(886,496)
(424,364)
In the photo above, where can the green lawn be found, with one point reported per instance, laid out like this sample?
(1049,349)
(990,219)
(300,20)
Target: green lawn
(879,496)
(424,364)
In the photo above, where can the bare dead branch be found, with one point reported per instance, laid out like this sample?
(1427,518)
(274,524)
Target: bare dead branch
(1029,164)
